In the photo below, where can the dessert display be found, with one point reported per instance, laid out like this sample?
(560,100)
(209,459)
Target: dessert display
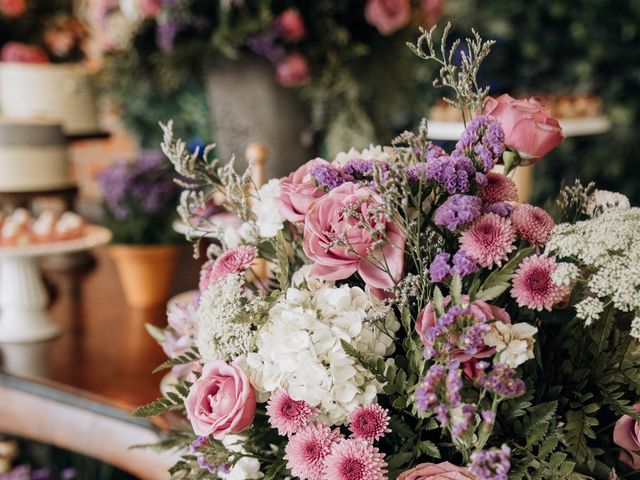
(33,156)
(55,92)
(21,228)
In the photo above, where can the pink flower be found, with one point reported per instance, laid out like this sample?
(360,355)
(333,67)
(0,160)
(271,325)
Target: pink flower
(387,16)
(236,260)
(22,53)
(179,338)
(436,471)
(369,422)
(291,25)
(432,10)
(377,253)
(480,309)
(293,70)
(298,191)
(528,126)
(149,8)
(533,224)
(221,401)
(489,240)
(288,415)
(59,42)
(12,8)
(355,459)
(499,188)
(626,434)
(307,450)
(533,285)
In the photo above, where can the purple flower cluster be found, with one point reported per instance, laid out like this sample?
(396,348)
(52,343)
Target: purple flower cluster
(502,209)
(25,472)
(360,169)
(491,464)
(440,268)
(455,172)
(500,380)
(330,176)
(326,176)
(483,141)
(144,186)
(467,414)
(458,329)
(264,44)
(458,210)
(195,449)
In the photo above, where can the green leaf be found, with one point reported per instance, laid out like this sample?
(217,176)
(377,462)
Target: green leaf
(427,447)
(455,289)
(438,302)
(501,277)
(282,258)
(399,459)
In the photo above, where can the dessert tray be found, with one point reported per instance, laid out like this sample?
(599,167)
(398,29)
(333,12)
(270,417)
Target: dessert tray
(23,298)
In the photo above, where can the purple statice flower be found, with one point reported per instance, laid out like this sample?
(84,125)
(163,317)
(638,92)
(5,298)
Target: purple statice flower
(198,443)
(462,264)
(206,464)
(501,381)
(458,210)
(488,417)
(454,384)
(439,268)
(224,468)
(427,392)
(491,464)
(264,44)
(502,209)
(359,169)
(472,338)
(439,392)
(454,172)
(468,413)
(483,141)
(166,32)
(326,176)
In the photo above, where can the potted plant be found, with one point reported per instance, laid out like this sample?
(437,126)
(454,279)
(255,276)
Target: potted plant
(139,205)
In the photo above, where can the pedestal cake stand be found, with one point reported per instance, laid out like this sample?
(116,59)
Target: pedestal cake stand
(23,298)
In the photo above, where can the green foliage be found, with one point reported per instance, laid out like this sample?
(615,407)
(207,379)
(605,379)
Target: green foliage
(499,280)
(171,401)
(184,359)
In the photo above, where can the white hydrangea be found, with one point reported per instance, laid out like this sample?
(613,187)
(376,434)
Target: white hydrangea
(514,342)
(589,310)
(222,334)
(246,468)
(268,217)
(608,245)
(602,200)
(635,328)
(299,348)
(374,152)
(247,234)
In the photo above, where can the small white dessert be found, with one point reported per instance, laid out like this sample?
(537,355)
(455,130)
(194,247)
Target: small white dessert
(43,227)
(70,226)
(15,229)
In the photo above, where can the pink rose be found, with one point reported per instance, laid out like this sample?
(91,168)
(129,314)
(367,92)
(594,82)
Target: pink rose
(432,10)
(22,53)
(328,220)
(59,42)
(293,71)
(149,8)
(298,191)
(436,471)
(387,16)
(427,319)
(626,434)
(221,401)
(12,8)
(528,126)
(291,25)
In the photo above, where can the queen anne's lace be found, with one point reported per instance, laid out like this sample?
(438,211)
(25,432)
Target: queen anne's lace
(299,348)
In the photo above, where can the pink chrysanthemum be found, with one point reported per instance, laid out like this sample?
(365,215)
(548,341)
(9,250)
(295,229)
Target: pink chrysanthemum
(236,260)
(532,223)
(355,459)
(287,415)
(307,450)
(488,240)
(369,422)
(499,188)
(533,285)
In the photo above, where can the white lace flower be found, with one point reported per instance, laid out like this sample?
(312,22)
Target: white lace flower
(589,310)
(222,334)
(602,200)
(268,217)
(565,274)
(514,343)
(635,328)
(299,348)
(374,152)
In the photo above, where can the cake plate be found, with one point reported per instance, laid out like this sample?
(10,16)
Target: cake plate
(23,298)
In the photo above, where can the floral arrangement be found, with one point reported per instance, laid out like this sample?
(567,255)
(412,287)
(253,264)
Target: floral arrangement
(140,199)
(321,48)
(33,31)
(416,321)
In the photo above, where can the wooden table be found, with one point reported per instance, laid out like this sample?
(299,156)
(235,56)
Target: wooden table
(76,391)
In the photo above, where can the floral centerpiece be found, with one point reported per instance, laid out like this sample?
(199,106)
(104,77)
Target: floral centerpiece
(418,322)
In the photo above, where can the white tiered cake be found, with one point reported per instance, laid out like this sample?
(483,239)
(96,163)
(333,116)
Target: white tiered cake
(33,157)
(56,92)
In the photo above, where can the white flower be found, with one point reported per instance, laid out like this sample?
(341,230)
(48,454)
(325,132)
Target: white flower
(589,310)
(602,200)
(299,348)
(247,234)
(268,217)
(222,335)
(246,468)
(565,274)
(374,152)
(514,343)
(635,328)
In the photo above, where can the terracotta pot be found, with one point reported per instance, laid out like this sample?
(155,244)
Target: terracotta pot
(146,272)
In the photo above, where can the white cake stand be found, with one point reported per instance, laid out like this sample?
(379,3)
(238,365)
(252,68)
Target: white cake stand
(23,298)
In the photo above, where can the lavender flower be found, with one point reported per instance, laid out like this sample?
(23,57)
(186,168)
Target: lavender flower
(326,176)
(483,141)
(264,44)
(462,425)
(199,442)
(360,169)
(491,464)
(462,264)
(166,33)
(204,463)
(501,381)
(500,208)
(439,268)
(455,173)
(458,210)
